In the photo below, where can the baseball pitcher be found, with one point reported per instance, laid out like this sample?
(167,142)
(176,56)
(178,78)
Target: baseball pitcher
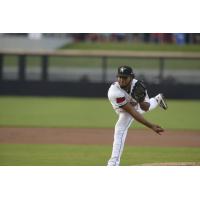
(130,100)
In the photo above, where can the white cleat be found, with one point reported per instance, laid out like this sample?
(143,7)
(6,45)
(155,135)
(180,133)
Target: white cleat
(162,102)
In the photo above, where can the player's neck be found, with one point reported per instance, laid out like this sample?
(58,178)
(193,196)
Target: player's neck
(127,88)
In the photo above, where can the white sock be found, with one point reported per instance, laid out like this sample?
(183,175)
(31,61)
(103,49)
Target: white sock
(153,103)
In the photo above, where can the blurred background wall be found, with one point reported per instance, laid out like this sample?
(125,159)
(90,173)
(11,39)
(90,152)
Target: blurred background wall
(85,64)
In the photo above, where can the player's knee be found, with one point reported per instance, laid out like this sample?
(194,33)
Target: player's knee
(145,106)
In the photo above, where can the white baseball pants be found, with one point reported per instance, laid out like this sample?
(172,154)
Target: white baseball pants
(121,129)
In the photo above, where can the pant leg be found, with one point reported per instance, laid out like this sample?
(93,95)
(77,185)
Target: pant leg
(121,129)
(153,105)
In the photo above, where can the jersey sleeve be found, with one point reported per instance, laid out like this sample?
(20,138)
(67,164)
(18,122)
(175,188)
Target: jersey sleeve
(117,98)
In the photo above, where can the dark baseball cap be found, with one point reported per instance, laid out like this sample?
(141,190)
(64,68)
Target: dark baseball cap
(125,71)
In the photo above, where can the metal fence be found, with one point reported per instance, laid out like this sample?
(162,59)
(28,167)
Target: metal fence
(98,66)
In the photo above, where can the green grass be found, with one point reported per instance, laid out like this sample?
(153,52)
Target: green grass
(35,61)
(89,155)
(146,155)
(130,46)
(55,112)
(112,63)
(89,113)
(83,62)
(75,112)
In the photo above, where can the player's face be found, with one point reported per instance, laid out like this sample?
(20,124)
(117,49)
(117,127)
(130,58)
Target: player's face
(124,81)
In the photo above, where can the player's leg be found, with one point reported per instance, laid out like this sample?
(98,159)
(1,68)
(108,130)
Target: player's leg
(148,105)
(121,129)
(152,103)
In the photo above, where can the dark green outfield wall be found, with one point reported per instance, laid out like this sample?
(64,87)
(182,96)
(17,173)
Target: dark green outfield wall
(83,89)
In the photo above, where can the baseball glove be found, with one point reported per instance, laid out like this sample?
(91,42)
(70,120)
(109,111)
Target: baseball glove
(139,91)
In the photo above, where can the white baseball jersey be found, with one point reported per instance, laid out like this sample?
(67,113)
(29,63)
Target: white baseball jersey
(119,97)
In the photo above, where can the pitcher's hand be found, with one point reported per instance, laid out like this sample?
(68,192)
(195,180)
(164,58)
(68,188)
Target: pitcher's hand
(157,129)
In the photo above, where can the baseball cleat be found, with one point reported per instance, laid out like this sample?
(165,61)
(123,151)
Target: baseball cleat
(162,102)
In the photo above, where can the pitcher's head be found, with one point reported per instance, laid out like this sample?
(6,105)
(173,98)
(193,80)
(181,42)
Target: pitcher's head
(124,76)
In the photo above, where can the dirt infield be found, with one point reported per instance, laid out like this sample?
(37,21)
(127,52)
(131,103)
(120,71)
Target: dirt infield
(97,136)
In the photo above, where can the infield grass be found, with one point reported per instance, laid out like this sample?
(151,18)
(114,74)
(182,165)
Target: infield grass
(89,112)
(90,155)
